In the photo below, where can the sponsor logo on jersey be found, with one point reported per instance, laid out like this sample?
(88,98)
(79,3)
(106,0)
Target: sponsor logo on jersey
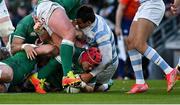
(33,34)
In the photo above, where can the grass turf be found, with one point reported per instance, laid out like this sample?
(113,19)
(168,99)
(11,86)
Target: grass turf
(156,94)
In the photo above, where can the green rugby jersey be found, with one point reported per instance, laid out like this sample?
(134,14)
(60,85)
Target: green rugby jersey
(24,30)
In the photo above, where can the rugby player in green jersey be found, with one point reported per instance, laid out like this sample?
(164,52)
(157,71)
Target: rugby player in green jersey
(70,7)
(18,66)
(54,18)
(15,68)
(81,60)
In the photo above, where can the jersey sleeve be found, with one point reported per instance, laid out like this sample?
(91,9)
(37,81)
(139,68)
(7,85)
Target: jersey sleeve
(102,38)
(20,31)
(24,26)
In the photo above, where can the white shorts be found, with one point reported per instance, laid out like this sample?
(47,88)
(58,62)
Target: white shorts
(6,27)
(45,10)
(104,76)
(152,10)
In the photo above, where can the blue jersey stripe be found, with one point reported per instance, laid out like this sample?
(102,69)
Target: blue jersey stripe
(96,26)
(104,43)
(102,33)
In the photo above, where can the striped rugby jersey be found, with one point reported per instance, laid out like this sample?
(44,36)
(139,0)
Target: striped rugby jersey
(100,34)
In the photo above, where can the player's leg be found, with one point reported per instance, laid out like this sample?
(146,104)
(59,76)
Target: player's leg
(65,30)
(55,19)
(46,49)
(136,61)
(153,55)
(20,65)
(6,73)
(46,71)
(144,30)
(55,79)
(104,77)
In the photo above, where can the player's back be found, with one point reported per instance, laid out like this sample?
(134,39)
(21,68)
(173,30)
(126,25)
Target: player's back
(103,34)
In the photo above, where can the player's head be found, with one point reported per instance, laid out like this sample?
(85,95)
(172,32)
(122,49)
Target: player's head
(85,16)
(90,58)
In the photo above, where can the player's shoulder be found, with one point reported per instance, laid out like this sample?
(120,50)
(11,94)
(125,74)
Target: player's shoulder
(27,19)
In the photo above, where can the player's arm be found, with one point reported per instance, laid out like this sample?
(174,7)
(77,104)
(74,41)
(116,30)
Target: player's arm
(106,51)
(16,45)
(19,45)
(105,48)
(31,49)
(119,16)
(18,42)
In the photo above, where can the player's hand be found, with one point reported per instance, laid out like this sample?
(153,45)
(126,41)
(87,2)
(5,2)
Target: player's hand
(86,77)
(118,31)
(174,9)
(30,51)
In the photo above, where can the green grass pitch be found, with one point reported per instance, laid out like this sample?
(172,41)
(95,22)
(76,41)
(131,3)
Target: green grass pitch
(156,94)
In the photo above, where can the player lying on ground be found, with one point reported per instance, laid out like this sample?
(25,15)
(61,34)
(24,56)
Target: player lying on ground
(84,65)
(83,61)
(49,13)
(15,68)
(23,40)
(79,65)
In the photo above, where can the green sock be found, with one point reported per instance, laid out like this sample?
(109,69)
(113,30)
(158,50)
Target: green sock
(66,53)
(48,69)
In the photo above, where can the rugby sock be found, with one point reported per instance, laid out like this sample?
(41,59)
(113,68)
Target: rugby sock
(66,53)
(48,69)
(152,55)
(136,62)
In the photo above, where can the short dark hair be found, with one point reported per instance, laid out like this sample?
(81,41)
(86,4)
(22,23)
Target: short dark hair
(86,13)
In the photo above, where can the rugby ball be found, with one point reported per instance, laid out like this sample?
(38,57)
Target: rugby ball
(71,89)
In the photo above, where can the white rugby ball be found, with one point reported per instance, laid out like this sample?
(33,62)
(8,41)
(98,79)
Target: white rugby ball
(71,89)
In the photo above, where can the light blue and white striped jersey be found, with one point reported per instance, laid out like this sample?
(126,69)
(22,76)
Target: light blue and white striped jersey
(100,34)
(141,1)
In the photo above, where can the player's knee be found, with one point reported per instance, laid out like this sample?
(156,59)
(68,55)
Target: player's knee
(129,44)
(70,35)
(139,45)
(6,75)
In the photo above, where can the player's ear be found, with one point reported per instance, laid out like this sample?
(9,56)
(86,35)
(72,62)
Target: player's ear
(89,22)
